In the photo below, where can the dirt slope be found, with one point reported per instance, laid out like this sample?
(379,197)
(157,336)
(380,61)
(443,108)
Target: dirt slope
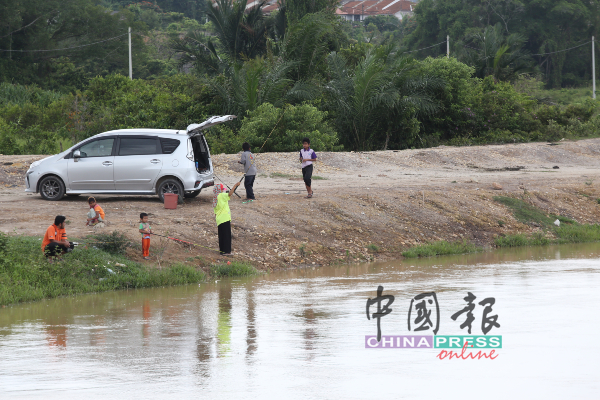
(391,199)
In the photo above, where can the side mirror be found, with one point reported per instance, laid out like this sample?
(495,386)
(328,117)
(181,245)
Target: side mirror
(76,155)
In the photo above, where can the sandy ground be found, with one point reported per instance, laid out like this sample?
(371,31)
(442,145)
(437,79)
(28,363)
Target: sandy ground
(390,199)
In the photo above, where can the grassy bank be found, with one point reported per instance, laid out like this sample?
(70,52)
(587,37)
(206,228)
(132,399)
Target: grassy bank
(233,269)
(25,275)
(441,248)
(568,231)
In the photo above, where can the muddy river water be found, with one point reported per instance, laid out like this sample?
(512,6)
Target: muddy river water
(301,334)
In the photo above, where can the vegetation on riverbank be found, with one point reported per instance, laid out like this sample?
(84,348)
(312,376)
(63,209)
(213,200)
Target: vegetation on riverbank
(568,231)
(25,274)
(299,71)
(441,248)
(234,269)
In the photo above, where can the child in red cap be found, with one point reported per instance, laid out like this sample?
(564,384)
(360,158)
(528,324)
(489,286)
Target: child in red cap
(223,216)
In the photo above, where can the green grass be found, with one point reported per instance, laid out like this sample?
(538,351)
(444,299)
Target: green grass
(373,247)
(236,268)
(440,248)
(287,176)
(569,230)
(526,213)
(566,96)
(537,239)
(280,175)
(577,233)
(26,275)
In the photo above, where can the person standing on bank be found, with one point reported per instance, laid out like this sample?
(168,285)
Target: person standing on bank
(223,216)
(55,241)
(249,170)
(307,157)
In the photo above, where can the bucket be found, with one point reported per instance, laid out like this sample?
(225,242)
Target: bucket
(171,200)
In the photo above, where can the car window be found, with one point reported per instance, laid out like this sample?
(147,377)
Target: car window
(138,146)
(169,145)
(97,148)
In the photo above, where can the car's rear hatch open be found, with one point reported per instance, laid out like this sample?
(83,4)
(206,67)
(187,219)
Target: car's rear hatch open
(198,150)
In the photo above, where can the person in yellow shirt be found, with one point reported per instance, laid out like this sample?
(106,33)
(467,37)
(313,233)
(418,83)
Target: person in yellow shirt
(223,216)
(55,241)
(96,213)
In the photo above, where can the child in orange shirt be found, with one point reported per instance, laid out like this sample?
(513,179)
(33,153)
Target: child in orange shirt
(96,213)
(146,231)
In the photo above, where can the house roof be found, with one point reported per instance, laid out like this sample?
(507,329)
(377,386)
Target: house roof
(374,7)
(364,7)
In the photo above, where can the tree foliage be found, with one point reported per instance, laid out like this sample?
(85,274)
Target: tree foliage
(547,26)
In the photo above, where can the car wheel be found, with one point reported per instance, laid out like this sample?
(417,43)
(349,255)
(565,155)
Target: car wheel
(191,195)
(52,188)
(170,186)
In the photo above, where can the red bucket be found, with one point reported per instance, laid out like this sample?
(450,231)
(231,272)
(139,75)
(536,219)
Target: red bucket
(171,200)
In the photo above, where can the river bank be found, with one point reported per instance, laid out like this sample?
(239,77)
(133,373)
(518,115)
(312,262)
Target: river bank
(367,206)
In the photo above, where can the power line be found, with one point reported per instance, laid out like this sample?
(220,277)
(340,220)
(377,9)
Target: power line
(560,51)
(66,48)
(424,48)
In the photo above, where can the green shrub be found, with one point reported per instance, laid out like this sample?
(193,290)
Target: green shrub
(236,268)
(3,243)
(113,243)
(288,131)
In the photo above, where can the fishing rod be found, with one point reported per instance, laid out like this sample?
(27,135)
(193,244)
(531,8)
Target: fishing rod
(183,241)
(228,185)
(263,145)
(272,130)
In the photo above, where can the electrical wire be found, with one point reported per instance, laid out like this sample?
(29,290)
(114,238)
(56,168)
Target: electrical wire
(560,51)
(66,48)
(424,48)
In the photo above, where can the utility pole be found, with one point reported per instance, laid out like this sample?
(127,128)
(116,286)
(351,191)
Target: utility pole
(447,46)
(593,70)
(130,66)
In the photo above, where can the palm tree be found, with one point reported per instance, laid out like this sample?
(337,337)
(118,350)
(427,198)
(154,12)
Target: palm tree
(245,87)
(309,41)
(493,53)
(239,34)
(376,94)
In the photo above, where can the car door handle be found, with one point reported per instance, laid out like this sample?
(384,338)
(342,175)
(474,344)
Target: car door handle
(107,163)
(155,161)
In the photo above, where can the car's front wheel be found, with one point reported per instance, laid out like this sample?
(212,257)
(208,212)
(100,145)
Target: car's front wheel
(52,188)
(170,186)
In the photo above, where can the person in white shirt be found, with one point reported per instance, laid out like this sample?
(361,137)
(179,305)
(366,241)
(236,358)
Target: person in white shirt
(307,157)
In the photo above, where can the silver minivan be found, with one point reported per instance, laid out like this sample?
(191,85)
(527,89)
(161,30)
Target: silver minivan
(129,161)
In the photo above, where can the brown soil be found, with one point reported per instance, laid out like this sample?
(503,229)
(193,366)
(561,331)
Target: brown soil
(390,199)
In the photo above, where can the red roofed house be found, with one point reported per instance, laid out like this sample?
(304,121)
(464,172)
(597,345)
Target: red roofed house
(355,10)
(359,10)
